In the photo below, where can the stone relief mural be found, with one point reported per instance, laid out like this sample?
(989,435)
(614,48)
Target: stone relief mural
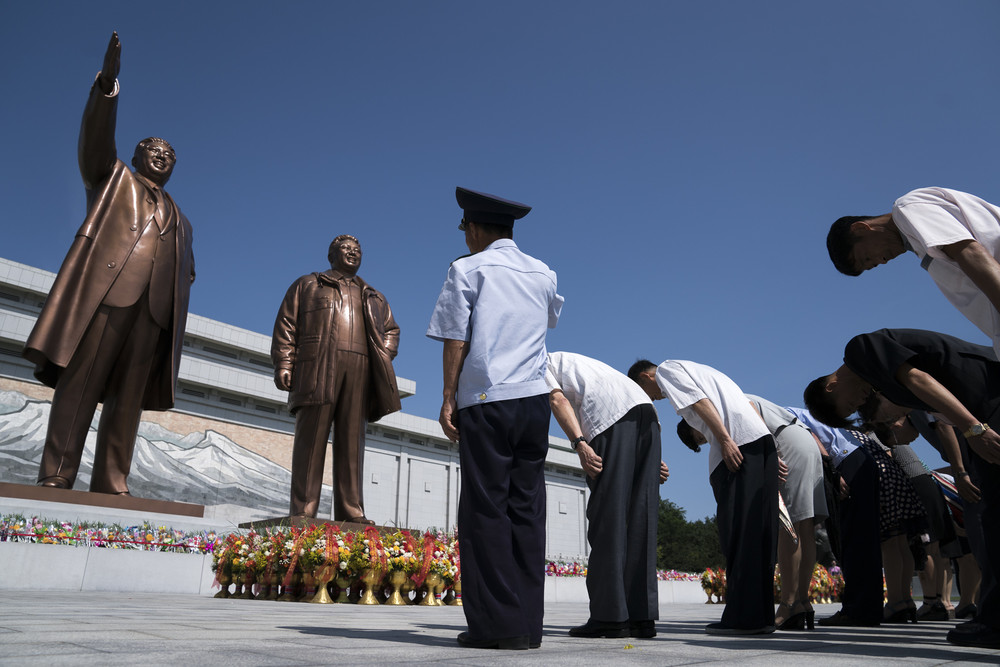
(204,467)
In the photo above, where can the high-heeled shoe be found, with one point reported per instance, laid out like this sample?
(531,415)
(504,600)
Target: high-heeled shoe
(808,613)
(904,614)
(786,619)
(967,611)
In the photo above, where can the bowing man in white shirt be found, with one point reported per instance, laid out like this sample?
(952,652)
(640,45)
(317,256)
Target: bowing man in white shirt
(743,465)
(612,425)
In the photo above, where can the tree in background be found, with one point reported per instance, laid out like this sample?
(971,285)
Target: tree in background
(683,545)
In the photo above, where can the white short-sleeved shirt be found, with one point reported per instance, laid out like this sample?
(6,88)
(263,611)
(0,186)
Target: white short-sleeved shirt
(599,394)
(930,218)
(686,382)
(501,301)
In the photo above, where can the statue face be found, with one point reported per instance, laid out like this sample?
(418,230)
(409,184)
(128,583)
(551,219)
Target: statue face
(347,257)
(155,160)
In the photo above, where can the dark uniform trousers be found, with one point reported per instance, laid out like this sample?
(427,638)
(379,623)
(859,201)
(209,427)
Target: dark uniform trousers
(127,338)
(622,512)
(501,516)
(861,553)
(748,533)
(346,414)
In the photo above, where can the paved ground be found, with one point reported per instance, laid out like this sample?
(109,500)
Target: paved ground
(57,628)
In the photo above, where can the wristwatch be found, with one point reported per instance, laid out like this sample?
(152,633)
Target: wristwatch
(577,441)
(976,429)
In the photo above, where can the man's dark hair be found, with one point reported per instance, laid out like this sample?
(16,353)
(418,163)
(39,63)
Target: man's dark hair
(840,243)
(492,229)
(686,433)
(820,403)
(638,367)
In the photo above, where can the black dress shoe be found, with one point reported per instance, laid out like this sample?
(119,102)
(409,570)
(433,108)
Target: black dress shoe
(594,628)
(54,482)
(720,629)
(840,619)
(642,629)
(506,643)
(972,633)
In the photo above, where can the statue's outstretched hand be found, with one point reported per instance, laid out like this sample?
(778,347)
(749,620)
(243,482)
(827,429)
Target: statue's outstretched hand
(112,65)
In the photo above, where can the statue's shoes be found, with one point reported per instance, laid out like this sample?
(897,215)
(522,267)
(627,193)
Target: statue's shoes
(362,520)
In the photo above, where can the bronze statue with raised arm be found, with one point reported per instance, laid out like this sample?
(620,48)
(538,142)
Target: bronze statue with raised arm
(111,329)
(333,345)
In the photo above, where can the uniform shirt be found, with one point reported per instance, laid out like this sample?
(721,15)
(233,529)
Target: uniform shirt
(686,382)
(839,443)
(969,371)
(599,394)
(930,218)
(501,302)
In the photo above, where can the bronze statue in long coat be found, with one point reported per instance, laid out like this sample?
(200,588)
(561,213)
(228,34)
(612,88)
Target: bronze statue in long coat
(112,327)
(333,345)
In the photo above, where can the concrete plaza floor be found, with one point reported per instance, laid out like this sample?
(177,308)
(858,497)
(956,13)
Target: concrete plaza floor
(93,628)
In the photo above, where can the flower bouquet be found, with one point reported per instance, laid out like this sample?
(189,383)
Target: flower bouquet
(368,558)
(713,582)
(402,562)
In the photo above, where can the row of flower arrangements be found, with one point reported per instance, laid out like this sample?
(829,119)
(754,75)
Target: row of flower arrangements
(301,562)
(402,551)
(143,537)
(577,569)
(826,585)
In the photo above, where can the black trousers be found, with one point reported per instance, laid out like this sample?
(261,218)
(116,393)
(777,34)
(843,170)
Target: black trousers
(748,533)
(622,515)
(501,516)
(861,552)
(987,477)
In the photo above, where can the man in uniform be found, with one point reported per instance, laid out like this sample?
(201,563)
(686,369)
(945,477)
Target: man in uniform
(492,315)
(332,348)
(112,327)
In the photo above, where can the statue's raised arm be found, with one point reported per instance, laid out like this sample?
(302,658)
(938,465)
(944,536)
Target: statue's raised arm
(96,150)
(112,327)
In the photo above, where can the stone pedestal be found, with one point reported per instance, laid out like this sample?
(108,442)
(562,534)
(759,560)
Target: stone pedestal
(73,497)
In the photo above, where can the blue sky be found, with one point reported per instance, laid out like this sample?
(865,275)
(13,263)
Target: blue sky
(684,159)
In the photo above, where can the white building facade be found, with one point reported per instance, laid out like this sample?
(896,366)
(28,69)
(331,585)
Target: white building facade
(227,442)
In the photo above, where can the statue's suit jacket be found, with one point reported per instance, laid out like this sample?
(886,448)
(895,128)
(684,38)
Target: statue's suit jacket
(118,210)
